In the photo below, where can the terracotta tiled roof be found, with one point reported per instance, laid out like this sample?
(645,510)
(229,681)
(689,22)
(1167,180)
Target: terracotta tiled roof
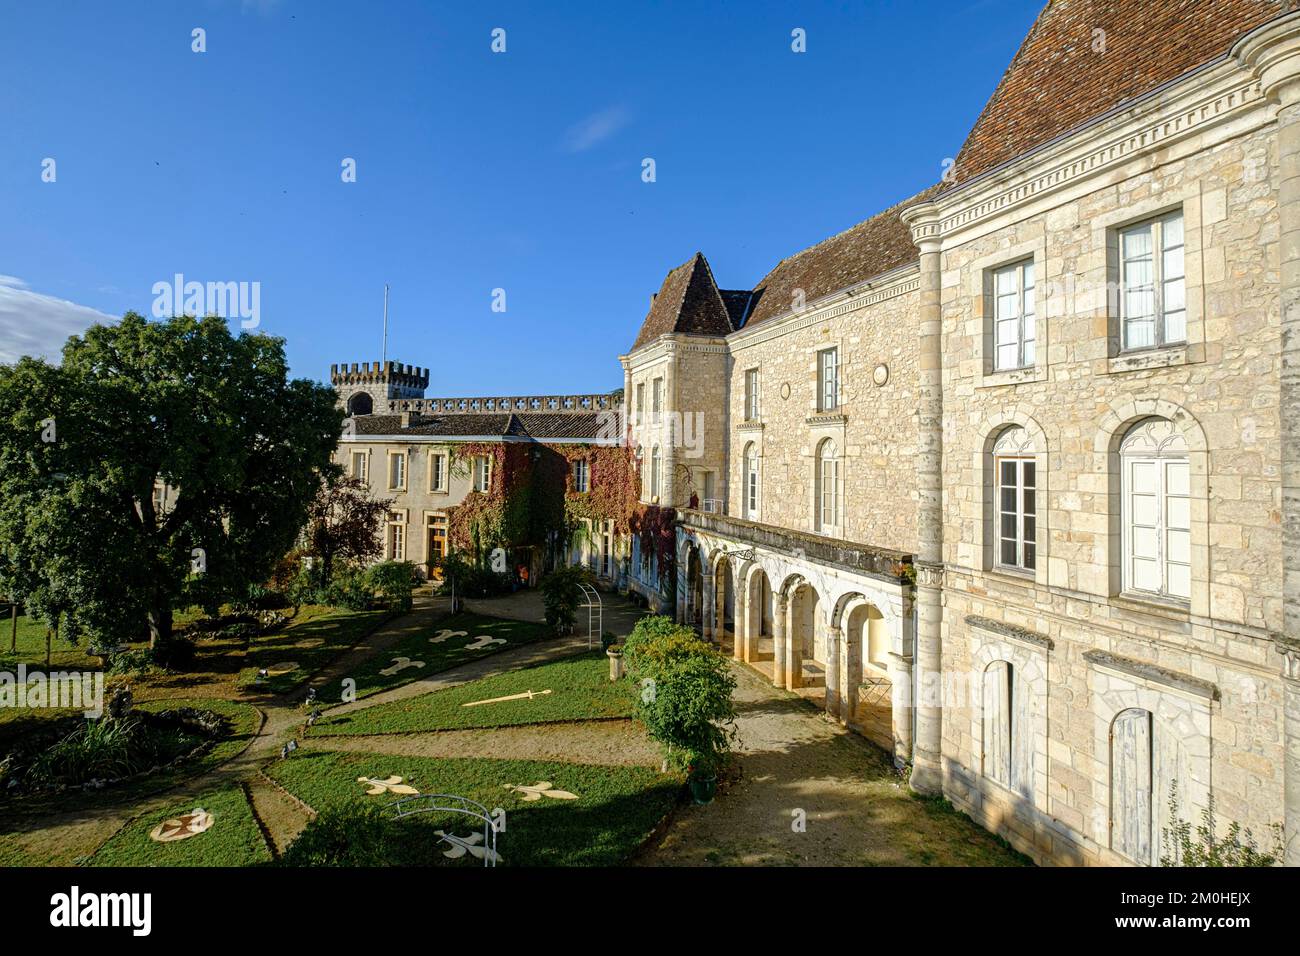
(687,302)
(1057,81)
(870,248)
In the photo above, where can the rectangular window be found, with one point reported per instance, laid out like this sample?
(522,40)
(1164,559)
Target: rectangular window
(1017,513)
(751,395)
(656,400)
(828,381)
(581,476)
(1152,295)
(751,488)
(1014,316)
(482,473)
(361,465)
(640,403)
(436,529)
(1008,741)
(438,471)
(830,499)
(1131,785)
(1157,532)
(397,471)
(397,536)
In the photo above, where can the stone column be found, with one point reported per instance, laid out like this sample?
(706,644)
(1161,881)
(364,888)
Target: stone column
(1272,53)
(740,644)
(927,766)
(780,624)
(708,596)
(834,644)
(900,676)
(794,642)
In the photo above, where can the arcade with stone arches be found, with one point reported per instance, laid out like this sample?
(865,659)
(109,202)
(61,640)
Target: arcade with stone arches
(839,637)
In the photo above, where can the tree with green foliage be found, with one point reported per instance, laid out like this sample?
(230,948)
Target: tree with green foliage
(82,444)
(344,523)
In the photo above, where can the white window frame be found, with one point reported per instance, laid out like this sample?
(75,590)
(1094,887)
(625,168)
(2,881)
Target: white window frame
(401,476)
(656,400)
(581,475)
(751,482)
(829,504)
(1022,298)
(363,459)
(828,380)
(1157,444)
(1015,448)
(1161,285)
(640,403)
(482,473)
(395,539)
(753,410)
(656,476)
(439,465)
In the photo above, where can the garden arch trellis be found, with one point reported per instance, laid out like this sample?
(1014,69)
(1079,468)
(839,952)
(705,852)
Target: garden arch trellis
(595,610)
(450,803)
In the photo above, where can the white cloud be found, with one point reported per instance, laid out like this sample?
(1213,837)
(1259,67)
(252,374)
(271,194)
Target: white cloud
(39,325)
(595,129)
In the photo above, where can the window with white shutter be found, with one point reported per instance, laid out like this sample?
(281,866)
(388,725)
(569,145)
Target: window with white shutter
(1156,510)
(1131,786)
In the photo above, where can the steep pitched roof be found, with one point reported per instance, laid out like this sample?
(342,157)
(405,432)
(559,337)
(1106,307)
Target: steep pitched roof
(687,302)
(870,248)
(1057,81)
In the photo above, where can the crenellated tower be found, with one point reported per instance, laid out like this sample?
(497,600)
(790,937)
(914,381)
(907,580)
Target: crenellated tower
(366,388)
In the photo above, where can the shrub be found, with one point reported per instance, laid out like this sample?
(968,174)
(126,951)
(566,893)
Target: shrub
(561,596)
(685,700)
(350,589)
(395,581)
(354,834)
(608,640)
(1238,846)
(471,580)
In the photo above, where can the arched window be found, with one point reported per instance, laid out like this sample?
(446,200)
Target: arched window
(751,482)
(828,487)
(1008,729)
(1016,497)
(1155,514)
(1132,775)
(360,404)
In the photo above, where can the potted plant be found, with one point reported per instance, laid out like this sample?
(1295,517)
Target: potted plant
(702,775)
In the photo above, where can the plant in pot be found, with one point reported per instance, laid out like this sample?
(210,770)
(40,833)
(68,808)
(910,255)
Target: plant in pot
(702,776)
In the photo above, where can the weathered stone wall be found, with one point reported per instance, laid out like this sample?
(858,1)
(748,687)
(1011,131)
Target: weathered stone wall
(874,429)
(1222,391)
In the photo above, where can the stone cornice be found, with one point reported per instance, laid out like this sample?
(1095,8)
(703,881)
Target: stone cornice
(1272,53)
(1012,631)
(1207,98)
(1152,673)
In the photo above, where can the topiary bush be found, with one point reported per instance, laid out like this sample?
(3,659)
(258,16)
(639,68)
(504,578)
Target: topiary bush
(395,581)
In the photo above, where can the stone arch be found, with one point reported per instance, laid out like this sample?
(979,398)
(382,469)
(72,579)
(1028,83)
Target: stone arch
(1114,427)
(1031,665)
(759,599)
(361,403)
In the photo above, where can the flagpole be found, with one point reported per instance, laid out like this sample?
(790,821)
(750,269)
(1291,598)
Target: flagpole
(384,363)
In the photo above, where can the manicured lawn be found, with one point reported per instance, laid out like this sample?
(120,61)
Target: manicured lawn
(580,689)
(616,809)
(232,840)
(314,637)
(452,650)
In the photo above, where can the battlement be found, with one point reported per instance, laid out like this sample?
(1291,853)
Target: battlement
(380,373)
(538,404)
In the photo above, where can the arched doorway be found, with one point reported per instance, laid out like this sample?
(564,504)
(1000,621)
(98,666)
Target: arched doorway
(724,604)
(693,606)
(806,661)
(758,617)
(868,686)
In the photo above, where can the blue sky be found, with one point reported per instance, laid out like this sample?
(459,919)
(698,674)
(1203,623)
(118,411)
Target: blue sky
(475,171)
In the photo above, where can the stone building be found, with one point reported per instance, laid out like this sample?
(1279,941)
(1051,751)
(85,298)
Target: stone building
(1007,474)
(431,456)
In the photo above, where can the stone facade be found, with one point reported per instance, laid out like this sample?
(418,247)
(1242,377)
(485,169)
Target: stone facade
(1193,681)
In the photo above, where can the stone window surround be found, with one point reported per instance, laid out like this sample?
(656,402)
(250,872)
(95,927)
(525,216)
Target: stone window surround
(428,526)
(1030,661)
(745,418)
(402,521)
(351,460)
(1105,235)
(981,272)
(822,428)
(446,472)
(815,351)
(990,429)
(1111,431)
(756,442)
(406,471)
(1117,685)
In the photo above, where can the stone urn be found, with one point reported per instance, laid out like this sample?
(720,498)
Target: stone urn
(615,663)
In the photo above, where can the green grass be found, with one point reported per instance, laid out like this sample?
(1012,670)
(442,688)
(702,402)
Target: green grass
(233,839)
(436,657)
(616,809)
(580,690)
(314,637)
